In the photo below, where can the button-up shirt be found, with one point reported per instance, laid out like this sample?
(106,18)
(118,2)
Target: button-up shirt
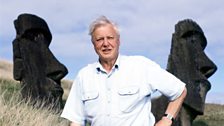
(121,97)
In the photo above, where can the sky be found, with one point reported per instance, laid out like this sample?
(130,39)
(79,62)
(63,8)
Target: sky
(146,29)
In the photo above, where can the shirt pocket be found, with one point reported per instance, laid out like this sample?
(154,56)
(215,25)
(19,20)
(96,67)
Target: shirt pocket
(128,98)
(90,100)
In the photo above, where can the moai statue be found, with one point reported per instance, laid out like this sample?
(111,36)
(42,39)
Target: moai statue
(35,66)
(188,62)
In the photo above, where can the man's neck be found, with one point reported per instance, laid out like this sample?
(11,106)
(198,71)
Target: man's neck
(108,64)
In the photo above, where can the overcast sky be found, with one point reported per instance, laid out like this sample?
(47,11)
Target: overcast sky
(146,28)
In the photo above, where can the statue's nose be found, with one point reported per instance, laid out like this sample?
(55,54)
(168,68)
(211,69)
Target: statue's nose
(206,66)
(57,72)
(54,69)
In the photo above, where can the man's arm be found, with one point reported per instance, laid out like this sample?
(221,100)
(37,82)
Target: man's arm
(173,109)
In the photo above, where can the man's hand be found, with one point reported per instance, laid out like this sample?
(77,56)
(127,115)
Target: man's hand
(173,109)
(164,122)
(74,124)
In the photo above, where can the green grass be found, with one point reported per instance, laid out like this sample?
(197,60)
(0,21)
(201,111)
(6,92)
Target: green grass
(8,87)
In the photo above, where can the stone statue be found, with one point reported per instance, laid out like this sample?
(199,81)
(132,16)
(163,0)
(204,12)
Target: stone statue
(188,62)
(35,66)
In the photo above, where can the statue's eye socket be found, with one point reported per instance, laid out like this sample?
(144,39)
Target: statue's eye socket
(29,35)
(193,36)
(188,34)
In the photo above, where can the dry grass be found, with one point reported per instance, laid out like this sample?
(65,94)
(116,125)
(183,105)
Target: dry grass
(15,112)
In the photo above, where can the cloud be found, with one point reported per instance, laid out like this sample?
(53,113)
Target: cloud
(150,18)
(146,26)
(69,45)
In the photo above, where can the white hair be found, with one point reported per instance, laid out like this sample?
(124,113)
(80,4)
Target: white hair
(101,21)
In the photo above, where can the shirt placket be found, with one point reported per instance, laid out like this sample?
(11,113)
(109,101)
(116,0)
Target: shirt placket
(108,100)
(109,85)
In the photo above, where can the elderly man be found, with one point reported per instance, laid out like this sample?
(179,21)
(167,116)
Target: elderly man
(116,90)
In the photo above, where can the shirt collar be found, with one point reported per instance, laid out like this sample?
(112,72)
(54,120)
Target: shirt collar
(99,67)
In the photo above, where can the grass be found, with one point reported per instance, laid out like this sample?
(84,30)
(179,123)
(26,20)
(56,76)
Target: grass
(213,116)
(16,112)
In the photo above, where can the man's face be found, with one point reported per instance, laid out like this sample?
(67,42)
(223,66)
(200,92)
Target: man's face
(106,42)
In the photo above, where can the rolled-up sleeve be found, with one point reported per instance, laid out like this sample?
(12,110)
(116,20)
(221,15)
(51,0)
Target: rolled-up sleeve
(165,82)
(73,109)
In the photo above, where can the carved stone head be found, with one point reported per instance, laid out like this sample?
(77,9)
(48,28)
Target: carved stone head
(35,65)
(188,62)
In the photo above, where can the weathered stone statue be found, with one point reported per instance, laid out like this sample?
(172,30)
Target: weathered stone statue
(188,62)
(35,66)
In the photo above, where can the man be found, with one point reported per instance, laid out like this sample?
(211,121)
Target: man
(116,90)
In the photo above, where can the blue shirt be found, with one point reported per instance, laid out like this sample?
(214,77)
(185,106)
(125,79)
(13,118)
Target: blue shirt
(121,97)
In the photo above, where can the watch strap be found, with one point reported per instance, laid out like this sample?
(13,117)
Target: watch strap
(169,117)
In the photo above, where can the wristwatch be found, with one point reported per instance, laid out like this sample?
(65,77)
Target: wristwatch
(169,117)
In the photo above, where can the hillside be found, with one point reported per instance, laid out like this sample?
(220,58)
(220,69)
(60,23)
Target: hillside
(213,116)
(6,69)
